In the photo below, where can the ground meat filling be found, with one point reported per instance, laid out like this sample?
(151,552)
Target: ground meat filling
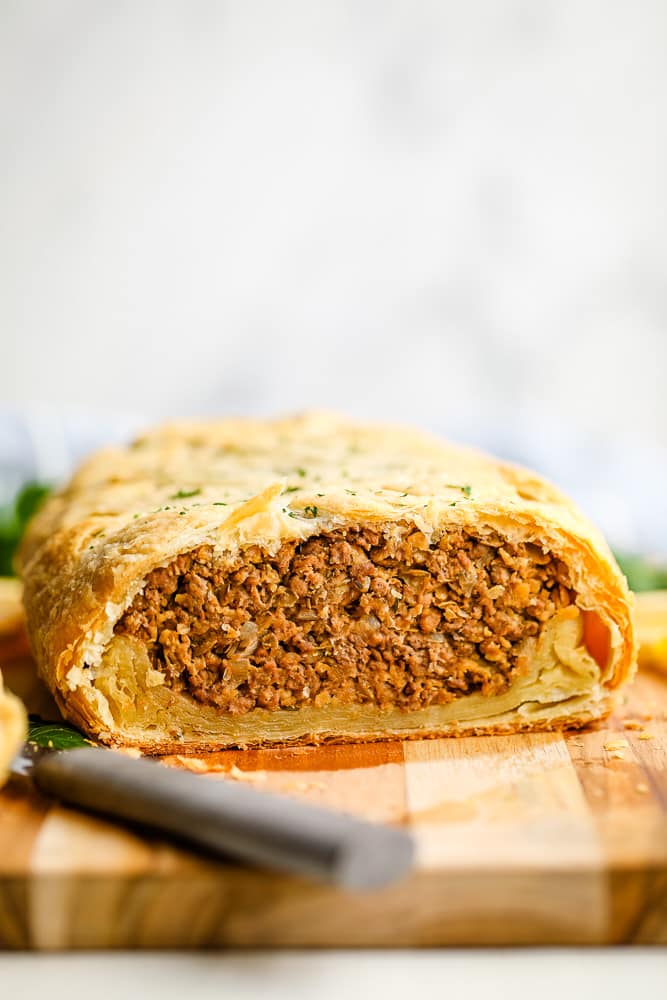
(350,616)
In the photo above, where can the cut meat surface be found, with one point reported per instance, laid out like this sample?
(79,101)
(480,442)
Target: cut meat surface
(350,616)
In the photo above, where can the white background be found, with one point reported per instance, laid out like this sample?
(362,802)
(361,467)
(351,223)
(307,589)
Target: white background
(432,210)
(471,974)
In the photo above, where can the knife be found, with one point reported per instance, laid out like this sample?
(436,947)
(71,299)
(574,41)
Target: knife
(223,817)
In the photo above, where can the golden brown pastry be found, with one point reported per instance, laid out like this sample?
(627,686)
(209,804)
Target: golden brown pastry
(13,729)
(11,608)
(307,579)
(13,640)
(651,628)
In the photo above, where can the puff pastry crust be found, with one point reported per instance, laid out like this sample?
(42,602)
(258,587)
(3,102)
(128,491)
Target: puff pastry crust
(232,487)
(13,729)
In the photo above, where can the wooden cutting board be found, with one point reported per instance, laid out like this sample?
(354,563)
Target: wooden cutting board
(521,840)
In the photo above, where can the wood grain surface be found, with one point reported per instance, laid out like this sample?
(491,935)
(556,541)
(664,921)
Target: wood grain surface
(532,839)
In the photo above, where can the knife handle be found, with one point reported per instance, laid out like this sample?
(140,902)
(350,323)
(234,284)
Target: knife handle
(228,818)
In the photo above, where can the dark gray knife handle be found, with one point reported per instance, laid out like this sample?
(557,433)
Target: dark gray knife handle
(229,818)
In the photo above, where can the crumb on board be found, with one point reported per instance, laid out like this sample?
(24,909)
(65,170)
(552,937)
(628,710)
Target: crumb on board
(238,775)
(635,725)
(193,764)
(616,746)
(200,766)
(306,786)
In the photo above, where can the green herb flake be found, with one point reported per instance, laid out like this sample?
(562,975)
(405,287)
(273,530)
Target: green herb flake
(301,472)
(310,511)
(219,503)
(184,494)
(351,492)
(291,489)
(466,490)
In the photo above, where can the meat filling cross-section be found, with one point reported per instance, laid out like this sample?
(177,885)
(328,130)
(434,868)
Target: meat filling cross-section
(378,615)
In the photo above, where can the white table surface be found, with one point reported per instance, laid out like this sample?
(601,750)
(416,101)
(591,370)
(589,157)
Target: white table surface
(463,973)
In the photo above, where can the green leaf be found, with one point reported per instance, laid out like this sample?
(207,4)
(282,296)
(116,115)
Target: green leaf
(642,573)
(54,735)
(13,521)
(30,499)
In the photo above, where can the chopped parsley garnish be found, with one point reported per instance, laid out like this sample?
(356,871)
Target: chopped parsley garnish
(466,490)
(291,489)
(184,494)
(219,503)
(310,510)
(301,472)
(352,493)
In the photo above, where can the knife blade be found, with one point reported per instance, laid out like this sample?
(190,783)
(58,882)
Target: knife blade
(223,817)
